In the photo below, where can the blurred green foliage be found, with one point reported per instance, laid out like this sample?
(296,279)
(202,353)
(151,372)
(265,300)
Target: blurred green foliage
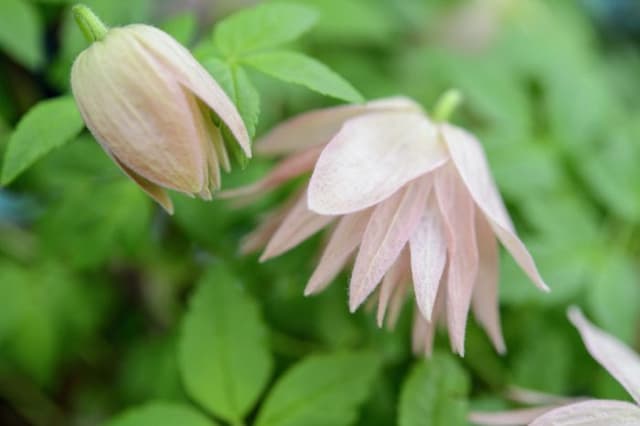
(108,305)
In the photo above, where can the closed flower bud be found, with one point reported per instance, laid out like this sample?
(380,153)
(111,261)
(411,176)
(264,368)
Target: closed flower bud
(154,109)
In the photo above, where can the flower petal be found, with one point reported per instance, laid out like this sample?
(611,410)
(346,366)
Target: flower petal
(469,158)
(392,284)
(484,302)
(592,413)
(297,226)
(620,361)
(154,191)
(457,209)
(345,238)
(318,127)
(259,237)
(424,331)
(185,69)
(388,230)
(372,157)
(428,257)
(517,417)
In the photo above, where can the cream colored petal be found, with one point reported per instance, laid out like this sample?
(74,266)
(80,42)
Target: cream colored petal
(371,158)
(318,127)
(259,237)
(183,66)
(468,156)
(592,413)
(154,191)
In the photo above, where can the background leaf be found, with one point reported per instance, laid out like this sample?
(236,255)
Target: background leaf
(21,32)
(161,414)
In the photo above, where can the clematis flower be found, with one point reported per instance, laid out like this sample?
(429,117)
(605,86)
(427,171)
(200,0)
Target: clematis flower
(620,361)
(412,200)
(154,110)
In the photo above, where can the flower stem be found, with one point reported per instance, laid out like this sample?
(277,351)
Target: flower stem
(447,104)
(90,25)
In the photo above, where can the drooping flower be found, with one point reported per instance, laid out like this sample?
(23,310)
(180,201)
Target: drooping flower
(154,109)
(620,361)
(413,197)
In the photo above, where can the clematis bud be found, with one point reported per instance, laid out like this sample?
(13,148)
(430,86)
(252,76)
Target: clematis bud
(154,110)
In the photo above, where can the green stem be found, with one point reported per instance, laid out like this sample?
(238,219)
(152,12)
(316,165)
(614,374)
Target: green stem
(447,104)
(90,25)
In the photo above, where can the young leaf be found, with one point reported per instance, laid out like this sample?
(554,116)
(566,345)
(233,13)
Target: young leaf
(21,34)
(223,355)
(294,67)
(264,26)
(161,414)
(48,125)
(435,393)
(236,83)
(321,390)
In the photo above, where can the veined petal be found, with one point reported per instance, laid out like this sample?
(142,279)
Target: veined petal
(345,238)
(517,417)
(620,361)
(457,210)
(392,283)
(182,65)
(485,301)
(469,158)
(372,157)
(592,413)
(299,225)
(428,256)
(318,127)
(388,230)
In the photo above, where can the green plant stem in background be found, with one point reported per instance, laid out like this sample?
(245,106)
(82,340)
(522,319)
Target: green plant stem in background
(90,25)
(446,105)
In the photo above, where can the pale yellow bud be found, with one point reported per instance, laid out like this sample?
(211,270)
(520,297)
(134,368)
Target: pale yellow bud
(148,102)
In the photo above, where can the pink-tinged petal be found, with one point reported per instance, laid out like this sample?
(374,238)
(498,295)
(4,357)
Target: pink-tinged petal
(457,210)
(299,225)
(344,240)
(154,191)
(391,284)
(371,158)
(428,257)
(469,158)
(517,417)
(259,237)
(484,302)
(291,167)
(182,65)
(419,333)
(397,301)
(388,230)
(533,397)
(318,127)
(424,331)
(612,354)
(592,413)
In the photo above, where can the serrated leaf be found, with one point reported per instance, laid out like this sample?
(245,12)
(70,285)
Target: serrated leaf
(322,390)
(236,83)
(46,126)
(223,355)
(21,33)
(435,393)
(161,414)
(294,67)
(264,26)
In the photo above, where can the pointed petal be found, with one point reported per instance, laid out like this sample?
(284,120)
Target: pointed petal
(424,331)
(428,256)
(391,284)
(620,361)
(287,169)
(154,191)
(532,397)
(183,66)
(485,301)
(517,417)
(371,158)
(592,413)
(318,127)
(397,300)
(457,209)
(297,226)
(469,158)
(259,237)
(388,230)
(343,242)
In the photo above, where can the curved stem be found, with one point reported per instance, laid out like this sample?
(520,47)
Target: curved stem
(90,25)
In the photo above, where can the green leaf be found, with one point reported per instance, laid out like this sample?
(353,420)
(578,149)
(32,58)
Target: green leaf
(264,26)
(223,355)
(236,83)
(182,27)
(322,390)
(161,414)
(435,393)
(294,67)
(46,126)
(21,33)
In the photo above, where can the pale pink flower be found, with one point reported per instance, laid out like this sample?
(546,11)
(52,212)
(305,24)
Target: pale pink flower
(620,361)
(414,198)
